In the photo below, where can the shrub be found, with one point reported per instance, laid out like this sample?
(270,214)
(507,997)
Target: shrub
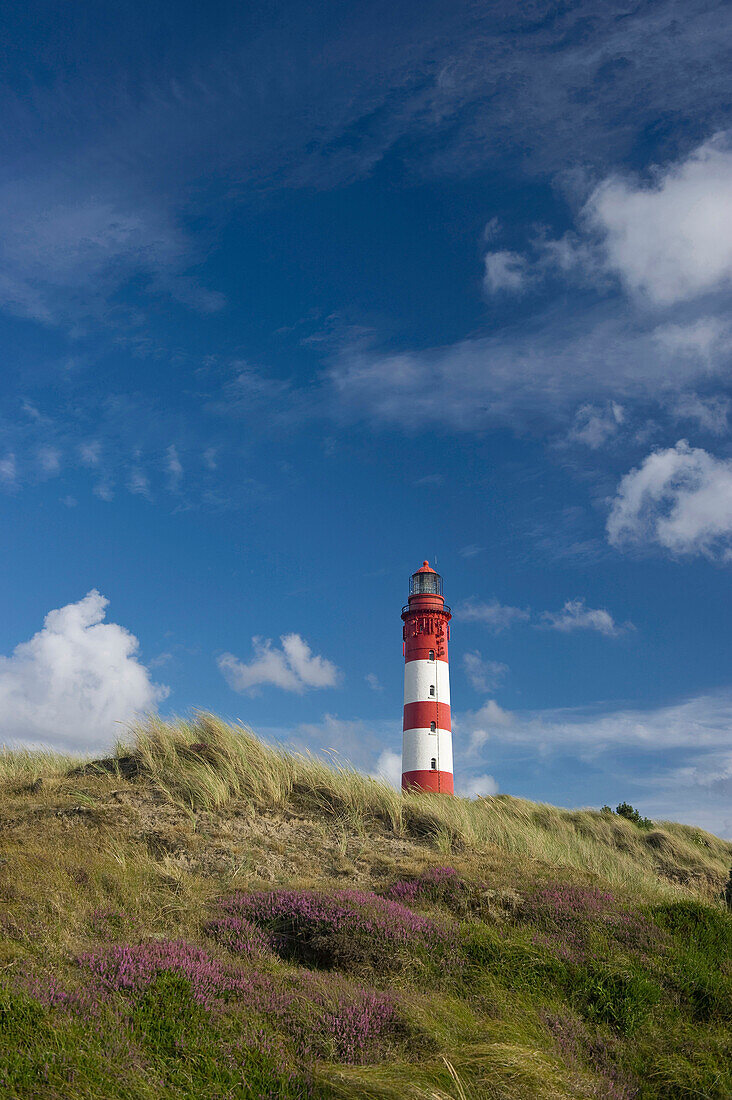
(324,1016)
(240,936)
(624,809)
(348,928)
(436,884)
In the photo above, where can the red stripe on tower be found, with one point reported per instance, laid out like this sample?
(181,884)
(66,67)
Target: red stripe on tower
(427,740)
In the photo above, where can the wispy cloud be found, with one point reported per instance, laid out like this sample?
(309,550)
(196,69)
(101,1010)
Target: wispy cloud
(484,675)
(174,468)
(494,615)
(9,470)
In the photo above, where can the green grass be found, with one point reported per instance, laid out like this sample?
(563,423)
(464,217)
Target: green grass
(585,956)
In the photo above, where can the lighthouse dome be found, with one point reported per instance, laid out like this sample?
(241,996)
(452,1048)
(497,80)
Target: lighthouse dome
(426,581)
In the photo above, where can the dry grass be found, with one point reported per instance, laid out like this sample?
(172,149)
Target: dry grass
(204,764)
(140,846)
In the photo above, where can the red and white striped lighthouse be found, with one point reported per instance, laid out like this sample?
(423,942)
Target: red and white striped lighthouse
(427,740)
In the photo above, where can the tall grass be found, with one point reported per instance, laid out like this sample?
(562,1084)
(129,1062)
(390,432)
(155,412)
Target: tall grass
(203,763)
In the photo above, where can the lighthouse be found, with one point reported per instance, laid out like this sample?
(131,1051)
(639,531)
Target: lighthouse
(427,740)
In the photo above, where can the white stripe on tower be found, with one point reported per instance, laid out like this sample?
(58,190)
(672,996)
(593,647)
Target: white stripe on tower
(427,737)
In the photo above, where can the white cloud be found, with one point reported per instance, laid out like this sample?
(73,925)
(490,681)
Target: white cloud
(671,241)
(575,615)
(494,615)
(294,667)
(594,425)
(483,675)
(534,375)
(90,453)
(373,681)
(64,253)
(389,768)
(75,681)
(674,760)
(710,413)
(8,470)
(174,467)
(477,786)
(138,483)
(504,271)
(485,723)
(701,722)
(679,499)
(49,459)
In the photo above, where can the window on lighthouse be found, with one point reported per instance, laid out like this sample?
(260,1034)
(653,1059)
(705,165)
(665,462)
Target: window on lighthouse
(432,654)
(433,764)
(433,727)
(432,689)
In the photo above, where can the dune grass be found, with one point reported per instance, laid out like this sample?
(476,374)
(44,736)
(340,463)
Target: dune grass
(205,763)
(206,916)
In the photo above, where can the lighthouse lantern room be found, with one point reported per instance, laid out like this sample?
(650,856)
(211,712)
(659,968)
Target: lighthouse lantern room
(427,738)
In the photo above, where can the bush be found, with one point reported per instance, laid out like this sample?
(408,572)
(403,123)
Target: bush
(347,928)
(624,809)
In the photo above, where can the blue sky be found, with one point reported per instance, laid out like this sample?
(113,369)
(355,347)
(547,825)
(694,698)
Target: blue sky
(295,296)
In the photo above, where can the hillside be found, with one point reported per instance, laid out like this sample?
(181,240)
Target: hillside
(203,916)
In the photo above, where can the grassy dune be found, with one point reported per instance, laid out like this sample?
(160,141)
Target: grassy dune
(205,916)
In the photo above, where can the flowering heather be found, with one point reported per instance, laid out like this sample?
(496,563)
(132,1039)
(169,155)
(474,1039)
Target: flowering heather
(295,912)
(570,913)
(322,1015)
(240,936)
(134,967)
(438,883)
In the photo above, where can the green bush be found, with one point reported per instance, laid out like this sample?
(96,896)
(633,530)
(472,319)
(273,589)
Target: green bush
(624,809)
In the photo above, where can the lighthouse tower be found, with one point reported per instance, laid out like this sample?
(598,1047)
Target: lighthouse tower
(427,740)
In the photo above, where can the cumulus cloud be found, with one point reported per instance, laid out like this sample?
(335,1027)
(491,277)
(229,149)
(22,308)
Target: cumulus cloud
(477,786)
(389,768)
(483,675)
(485,723)
(673,240)
(72,684)
(495,616)
(293,667)
(575,615)
(680,499)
